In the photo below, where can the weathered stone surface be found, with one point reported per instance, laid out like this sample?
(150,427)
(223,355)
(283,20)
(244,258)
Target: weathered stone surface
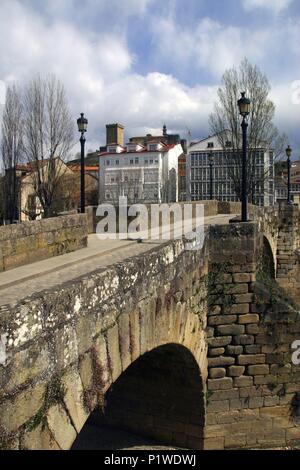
(217,342)
(60,427)
(222,320)
(243,381)
(234,350)
(220,361)
(251,359)
(25,243)
(217,373)
(213,352)
(258,370)
(248,318)
(236,371)
(73,398)
(16,412)
(230,330)
(39,439)
(220,384)
(243,339)
(113,349)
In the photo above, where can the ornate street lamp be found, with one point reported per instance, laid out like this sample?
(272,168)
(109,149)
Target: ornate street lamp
(244,107)
(82,123)
(211,162)
(288,154)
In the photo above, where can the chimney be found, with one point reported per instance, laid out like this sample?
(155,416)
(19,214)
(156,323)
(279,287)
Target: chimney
(114,134)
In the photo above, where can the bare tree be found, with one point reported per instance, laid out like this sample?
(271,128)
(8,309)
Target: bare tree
(12,148)
(48,136)
(261,131)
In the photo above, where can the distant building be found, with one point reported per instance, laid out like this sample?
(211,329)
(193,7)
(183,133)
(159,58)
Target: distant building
(198,172)
(145,170)
(281,184)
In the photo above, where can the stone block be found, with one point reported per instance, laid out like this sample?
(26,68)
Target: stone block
(239,309)
(235,441)
(243,381)
(226,330)
(60,427)
(218,342)
(219,384)
(256,402)
(236,371)
(243,298)
(253,349)
(243,339)
(214,352)
(113,350)
(217,406)
(217,373)
(251,359)
(22,408)
(252,329)
(241,277)
(39,439)
(258,369)
(213,443)
(234,350)
(220,361)
(222,320)
(248,318)
(73,398)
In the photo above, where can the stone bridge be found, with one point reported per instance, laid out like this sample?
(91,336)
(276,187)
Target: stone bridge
(186,347)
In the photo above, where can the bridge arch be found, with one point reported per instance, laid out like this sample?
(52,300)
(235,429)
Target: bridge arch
(161,341)
(159,396)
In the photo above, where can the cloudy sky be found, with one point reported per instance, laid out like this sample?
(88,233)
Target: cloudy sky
(146,62)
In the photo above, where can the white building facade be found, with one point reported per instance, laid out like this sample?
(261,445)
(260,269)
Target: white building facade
(146,174)
(198,173)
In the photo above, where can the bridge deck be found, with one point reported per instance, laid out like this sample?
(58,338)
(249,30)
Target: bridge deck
(21,282)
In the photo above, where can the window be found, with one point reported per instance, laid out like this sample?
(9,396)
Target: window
(136,161)
(153,147)
(155,161)
(151,161)
(126,179)
(107,162)
(131,162)
(112,180)
(146,162)
(107,196)
(210,145)
(117,162)
(228,143)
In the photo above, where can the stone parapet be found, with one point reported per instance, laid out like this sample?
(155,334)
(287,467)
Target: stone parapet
(40,239)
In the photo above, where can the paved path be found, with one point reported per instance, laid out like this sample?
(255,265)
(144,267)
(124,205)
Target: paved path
(23,281)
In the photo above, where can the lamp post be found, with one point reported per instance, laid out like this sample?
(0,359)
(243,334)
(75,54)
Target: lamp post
(211,161)
(288,154)
(244,107)
(82,123)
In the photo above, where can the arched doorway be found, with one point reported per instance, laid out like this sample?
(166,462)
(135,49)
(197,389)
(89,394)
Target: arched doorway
(159,396)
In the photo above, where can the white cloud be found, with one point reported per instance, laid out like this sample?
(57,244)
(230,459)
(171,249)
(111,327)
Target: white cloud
(274,5)
(97,68)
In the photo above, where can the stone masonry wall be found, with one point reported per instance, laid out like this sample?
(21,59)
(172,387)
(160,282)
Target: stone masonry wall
(288,254)
(253,387)
(61,349)
(32,241)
